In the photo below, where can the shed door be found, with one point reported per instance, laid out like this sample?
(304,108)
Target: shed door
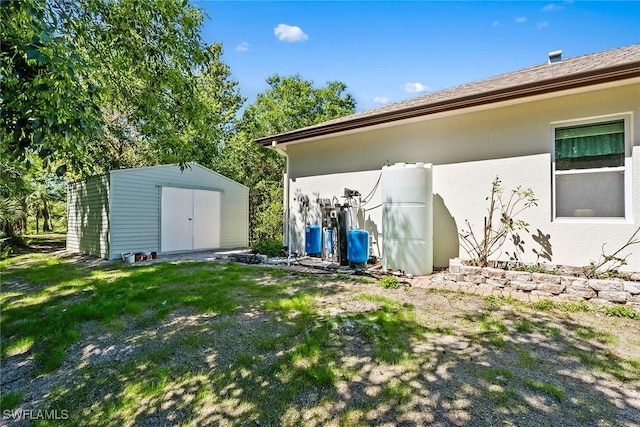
(190,219)
(206,219)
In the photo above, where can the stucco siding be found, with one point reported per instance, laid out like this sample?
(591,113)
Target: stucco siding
(88,216)
(468,150)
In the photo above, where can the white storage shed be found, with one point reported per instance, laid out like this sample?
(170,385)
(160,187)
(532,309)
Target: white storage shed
(156,209)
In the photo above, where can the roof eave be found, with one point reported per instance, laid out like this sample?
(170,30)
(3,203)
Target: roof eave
(573,81)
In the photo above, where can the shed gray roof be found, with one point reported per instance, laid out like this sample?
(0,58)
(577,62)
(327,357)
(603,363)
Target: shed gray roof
(602,67)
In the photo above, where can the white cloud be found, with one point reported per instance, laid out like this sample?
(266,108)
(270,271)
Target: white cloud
(243,47)
(551,7)
(495,23)
(415,87)
(290,33)
(381,100)
(542,25)
(520,19)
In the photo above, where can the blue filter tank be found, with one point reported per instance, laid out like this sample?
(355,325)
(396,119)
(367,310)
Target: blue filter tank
(313,239)
(358,246)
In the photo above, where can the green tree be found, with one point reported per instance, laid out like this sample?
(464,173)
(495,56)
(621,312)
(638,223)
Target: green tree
(289,103)
(14,186)
(98,84)
(49,105)
(218,100)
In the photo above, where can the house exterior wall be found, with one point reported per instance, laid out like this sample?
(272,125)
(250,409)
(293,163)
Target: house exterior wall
(135,206)
(88,216)
(468,150)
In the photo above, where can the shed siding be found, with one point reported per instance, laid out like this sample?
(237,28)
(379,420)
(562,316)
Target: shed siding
(135,206)
(88,216)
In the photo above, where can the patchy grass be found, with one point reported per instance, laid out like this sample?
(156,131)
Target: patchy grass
(10,400)
(494,302)
(544,304)
(575,306)
(191,343)
(546,388)
(526,359)
(524,325)
(355,279)
(65,295)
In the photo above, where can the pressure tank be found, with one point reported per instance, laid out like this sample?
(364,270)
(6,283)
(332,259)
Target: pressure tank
(313,240)
(358,246)
(342,237)
(407,218)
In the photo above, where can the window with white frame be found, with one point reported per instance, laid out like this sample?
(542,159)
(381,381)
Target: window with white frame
(591,169)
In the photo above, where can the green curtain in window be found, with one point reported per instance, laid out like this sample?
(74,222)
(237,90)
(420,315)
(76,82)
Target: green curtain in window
(590,140)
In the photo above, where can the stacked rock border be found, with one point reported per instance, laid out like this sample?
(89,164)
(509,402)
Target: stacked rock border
(598,291)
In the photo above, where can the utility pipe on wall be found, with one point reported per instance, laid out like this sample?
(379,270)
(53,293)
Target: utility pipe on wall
(286,214)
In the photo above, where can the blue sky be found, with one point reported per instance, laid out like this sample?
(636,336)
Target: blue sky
(390,51)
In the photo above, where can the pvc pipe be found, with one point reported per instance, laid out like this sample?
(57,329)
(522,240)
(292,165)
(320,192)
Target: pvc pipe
(286,214)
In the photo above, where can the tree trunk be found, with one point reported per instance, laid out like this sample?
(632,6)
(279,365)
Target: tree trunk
(46,218)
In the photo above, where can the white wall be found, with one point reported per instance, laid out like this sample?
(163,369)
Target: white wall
(328,186)
(468,150)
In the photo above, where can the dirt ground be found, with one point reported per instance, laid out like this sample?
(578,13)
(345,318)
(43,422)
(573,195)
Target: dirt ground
(548,367)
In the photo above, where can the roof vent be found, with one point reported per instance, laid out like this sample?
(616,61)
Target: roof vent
(555,56)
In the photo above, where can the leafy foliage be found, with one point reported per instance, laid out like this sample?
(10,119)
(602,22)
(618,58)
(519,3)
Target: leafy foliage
(389,282)
(98,84)
(50,105)
(94,85)
(289,103)
(621,311)
(268,247)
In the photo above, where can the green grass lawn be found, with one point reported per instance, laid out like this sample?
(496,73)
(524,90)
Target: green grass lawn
(190,343)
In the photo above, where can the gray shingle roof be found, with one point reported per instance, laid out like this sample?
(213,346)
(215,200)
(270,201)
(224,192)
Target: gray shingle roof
(610,65)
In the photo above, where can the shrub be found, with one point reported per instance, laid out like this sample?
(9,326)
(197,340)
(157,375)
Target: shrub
(500,224)
(11,245)
(268,247)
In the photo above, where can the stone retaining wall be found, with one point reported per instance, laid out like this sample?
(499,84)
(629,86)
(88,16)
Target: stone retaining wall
(612,291)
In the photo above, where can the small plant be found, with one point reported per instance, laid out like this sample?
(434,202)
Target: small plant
(621,311)
(389,282)
(608,264)
(544,304)
(500,223)
(575,306)
(494,302)
(535,268)
(268,247)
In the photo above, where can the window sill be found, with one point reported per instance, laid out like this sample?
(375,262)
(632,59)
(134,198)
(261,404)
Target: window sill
(586,220)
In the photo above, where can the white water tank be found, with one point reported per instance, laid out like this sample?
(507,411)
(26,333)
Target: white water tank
(407,218)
